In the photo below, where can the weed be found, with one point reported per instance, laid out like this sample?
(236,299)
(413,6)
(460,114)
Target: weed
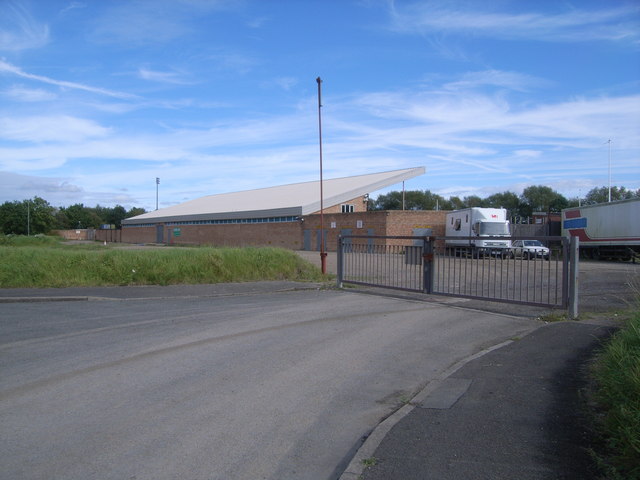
(553,317)
(370,462)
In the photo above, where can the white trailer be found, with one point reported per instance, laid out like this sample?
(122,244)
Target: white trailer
(484,224)
(605,230)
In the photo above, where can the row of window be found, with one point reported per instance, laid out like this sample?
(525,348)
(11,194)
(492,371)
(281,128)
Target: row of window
(222,221)
(346,208)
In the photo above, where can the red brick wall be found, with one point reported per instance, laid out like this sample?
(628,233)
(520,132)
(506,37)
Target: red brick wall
(285,234)
(108,235)
(290,234)
(390,223)
(139,234)
(403,222)
(359,205)
(79,234)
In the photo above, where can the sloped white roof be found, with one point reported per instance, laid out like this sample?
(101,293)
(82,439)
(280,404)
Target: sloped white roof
(286,200)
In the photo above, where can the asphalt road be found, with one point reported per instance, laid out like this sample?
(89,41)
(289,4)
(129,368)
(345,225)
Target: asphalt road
(264,386)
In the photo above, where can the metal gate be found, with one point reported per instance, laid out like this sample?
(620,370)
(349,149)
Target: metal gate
(424,264)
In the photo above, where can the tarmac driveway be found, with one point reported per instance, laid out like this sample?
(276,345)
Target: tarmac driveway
(280,385)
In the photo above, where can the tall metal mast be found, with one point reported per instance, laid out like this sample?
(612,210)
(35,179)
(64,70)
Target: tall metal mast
(323,254)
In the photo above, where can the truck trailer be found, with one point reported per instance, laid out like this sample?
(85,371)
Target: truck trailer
(605,230)
(484,225)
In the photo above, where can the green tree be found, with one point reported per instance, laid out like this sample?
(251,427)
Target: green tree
(540,198)
(388,201)
(31,217)
(472,201)
(116,215)
(79,216)
(456,203)
(508,200)
(413,200)
(601,195)
(13,218)
(135,211)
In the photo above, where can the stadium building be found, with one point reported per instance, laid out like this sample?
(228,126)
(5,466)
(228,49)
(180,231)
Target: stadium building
(286,216)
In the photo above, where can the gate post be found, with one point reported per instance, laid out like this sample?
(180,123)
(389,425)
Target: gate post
(427,265)
(573,278)
(340,259)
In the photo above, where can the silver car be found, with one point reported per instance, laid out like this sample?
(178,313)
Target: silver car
(529,249)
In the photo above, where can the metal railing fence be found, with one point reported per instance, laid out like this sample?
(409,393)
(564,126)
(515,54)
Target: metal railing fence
(383,261)
(505,276)
(426,264)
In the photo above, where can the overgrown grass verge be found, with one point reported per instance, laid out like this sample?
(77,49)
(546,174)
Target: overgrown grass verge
(29,241)
(51,266)
(617,375)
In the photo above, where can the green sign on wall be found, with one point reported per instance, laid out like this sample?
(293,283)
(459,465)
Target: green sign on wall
(176,232)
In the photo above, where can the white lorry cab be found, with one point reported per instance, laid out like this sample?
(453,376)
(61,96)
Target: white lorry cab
(483,225)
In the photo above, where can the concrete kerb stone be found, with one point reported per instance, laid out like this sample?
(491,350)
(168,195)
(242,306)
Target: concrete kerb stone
(42,299)
(152,292)
(358,464)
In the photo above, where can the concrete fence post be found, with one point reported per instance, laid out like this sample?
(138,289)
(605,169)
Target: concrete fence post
(573,277)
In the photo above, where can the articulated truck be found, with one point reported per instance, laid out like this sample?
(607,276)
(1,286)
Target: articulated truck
(484,225)
(606,230)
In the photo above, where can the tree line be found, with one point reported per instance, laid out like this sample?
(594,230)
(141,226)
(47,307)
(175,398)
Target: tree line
(536,198)
(36,215)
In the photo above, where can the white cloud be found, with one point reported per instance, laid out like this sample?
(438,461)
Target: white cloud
(18,29)
(509,80)
(20,93)
(141,22)
(12,69)
(286,83)
(461,135)
(528,153)
(59,129)
(173,77)
(615,23)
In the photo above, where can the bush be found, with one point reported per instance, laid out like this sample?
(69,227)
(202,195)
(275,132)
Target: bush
(617,373)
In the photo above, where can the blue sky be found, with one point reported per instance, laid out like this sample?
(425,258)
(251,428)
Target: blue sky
(100,97)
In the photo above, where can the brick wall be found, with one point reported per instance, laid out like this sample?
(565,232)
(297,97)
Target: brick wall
(389,223)
(108,236)
(285,235)
(78,234)
(290,235)
(139,235)
(359,205)
(403,222)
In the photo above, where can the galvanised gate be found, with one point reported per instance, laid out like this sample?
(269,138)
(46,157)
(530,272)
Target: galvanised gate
(425,264)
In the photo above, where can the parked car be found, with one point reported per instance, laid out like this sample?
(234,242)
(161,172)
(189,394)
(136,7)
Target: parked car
(529,249)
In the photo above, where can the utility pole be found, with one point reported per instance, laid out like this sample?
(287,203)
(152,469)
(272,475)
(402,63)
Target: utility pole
(323,254)
(157,186)
(609,142)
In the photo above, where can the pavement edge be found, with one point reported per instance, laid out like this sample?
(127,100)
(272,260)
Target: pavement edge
(358,463)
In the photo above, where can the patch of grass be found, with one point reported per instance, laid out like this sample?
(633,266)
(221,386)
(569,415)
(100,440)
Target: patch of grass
(617,375)
(553,317)
(29,241)
(48,265)
(370,462)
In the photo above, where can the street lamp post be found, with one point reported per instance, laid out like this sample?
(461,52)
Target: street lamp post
(323,254)
(157,186)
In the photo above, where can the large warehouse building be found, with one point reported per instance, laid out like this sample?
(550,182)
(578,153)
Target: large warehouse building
(285,216)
